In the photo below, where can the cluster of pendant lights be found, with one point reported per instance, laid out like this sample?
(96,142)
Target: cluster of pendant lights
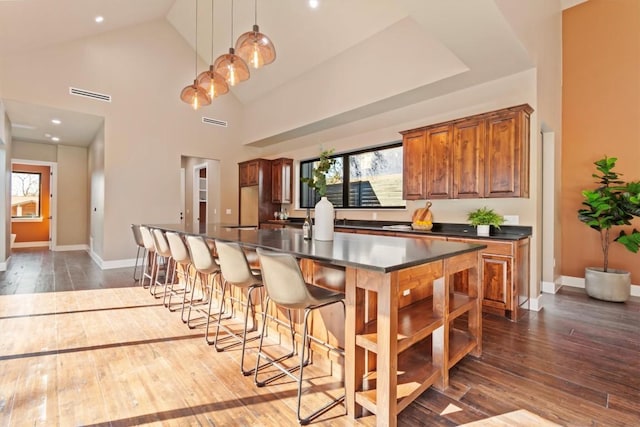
(252,47)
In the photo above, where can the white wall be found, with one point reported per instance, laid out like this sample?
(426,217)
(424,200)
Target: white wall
(95,172)
(72,196)
(5,187)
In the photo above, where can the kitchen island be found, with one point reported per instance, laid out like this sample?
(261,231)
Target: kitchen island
(399,335)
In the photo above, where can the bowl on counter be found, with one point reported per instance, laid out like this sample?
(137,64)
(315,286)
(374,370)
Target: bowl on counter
(422,227)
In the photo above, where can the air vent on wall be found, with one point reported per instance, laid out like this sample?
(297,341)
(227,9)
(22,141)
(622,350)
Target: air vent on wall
(215,122)
(89,94)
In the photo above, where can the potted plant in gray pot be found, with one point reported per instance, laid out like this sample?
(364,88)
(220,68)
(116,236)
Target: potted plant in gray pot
(614,203)
(483,219)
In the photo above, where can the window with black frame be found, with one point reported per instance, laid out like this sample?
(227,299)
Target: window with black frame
(25,194)
(363,179)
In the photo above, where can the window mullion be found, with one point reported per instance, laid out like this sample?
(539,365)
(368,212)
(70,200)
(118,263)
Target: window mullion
(345,181)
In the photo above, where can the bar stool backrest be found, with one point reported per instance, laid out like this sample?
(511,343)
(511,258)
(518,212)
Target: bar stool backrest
(234,265)
(147,239)
(137,236)
(179,251)
(283,280)
(201,257)
(162,246)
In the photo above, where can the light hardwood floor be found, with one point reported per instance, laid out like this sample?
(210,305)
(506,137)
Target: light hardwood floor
(81,346)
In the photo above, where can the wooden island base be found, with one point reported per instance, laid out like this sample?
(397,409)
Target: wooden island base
(399,337)
(405,340)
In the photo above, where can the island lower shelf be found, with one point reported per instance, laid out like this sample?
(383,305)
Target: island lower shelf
(408,346)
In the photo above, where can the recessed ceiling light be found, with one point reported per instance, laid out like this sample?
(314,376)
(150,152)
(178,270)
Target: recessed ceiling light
(99,19)
(55,139)
(47,135)
(313,4)
(56,121)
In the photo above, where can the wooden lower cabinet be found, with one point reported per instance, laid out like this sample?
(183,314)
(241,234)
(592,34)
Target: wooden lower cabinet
(504,272)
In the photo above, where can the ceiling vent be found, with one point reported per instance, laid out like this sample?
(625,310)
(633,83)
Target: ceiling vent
(215,122)
(89,94)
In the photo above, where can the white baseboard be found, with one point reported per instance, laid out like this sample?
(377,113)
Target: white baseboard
(536,304)
(94,256)
(118,263)
(108,265)
(63,248)
(578,282)
(551,287)
(30,244)
(5,264)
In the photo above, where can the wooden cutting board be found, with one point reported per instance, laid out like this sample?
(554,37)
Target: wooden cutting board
(422,214)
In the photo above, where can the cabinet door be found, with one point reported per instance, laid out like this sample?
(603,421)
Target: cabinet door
(413,167)
(253,172)
(281,170)
(506,154)
(468,159)
(439,157)
(276,181)
(243,174)
(496,279)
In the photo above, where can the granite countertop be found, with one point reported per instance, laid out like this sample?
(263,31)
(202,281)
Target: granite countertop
(506,232)
(378,253)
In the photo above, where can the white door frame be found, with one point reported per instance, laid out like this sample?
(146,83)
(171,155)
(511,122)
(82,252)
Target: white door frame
(183,203)
(195,195)
(53,188)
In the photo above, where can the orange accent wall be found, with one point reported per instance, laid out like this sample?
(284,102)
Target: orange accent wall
(35,231)
(600,116)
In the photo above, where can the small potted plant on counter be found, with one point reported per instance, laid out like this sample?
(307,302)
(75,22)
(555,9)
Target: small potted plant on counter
(483,218)
(613,203)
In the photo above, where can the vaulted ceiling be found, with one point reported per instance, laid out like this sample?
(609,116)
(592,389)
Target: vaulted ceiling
(413,49)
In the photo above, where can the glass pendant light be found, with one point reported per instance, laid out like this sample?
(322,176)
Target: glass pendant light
(255,47)
(213,83)
(194,94)
(231,66)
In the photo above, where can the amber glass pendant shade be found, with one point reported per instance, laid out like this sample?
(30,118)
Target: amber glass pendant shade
(195,96)
(213,83)
(255,48)
(232,68)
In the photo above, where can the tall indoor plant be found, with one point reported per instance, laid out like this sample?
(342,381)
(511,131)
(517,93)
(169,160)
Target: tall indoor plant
(324,208)
(614,203)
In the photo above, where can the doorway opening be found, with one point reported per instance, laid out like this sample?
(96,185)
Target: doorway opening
(200,197)
(33,203)
(200,192)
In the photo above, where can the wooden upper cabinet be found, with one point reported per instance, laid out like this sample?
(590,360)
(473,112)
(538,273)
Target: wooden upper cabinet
(507,153)
(414,175)
(486,155)
(468,159)
(281,170)
(439,151)
(249,173)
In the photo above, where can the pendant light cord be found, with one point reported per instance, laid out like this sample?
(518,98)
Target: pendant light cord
(212,3)
(255,9)
(196,49)
(231,22)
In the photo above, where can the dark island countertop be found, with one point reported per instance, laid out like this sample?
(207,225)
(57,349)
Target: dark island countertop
(506,232)
(378,253)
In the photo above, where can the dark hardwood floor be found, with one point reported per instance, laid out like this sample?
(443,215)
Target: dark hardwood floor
(81,346)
